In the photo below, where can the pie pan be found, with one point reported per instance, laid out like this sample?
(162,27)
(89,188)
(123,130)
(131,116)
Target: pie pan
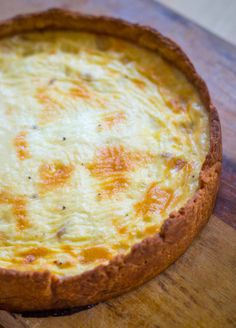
(42,290)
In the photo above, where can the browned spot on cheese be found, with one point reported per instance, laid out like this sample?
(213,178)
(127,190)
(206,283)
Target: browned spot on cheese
(112,164)
(175,95)
(33,254)
(151,74)
(112,119)
(151,229)
(2,236)
(92,254)
(36,252)
(67,249)
(51,107)
(176,163)
(177,105)
(44,98)
(121,246)
(18,204)
(139,83)
(5,198)
(114,184)
(64,264)
(122,230)
(118,223)
(21,145)
(54,175)
(79,91)
(156,200)
(52,51)
(187,170)
(19,210)
(111,160)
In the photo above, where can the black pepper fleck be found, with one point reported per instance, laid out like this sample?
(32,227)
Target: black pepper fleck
(34,196)
(50,82)
(34,127)
(63,207)
(64,138)
(29,178)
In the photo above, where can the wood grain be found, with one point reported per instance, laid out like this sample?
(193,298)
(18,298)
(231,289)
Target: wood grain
(199,289)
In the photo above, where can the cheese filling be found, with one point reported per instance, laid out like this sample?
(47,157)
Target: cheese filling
(100,141)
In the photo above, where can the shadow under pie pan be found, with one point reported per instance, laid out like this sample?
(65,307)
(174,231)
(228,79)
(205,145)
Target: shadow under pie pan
(55,313)
(43,293)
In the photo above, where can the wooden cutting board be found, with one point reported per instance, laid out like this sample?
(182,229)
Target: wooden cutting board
(199,290)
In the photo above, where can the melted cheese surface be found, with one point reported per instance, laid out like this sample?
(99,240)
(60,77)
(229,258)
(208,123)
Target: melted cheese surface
(100,141)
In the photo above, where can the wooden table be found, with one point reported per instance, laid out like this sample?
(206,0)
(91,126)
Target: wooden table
(218,18)
(199,290)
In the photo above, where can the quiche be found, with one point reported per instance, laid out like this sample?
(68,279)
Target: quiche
(110,158)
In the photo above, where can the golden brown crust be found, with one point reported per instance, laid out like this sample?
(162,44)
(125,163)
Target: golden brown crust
(30,291)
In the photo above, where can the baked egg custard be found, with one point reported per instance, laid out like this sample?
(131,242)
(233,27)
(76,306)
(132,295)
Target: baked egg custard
(100,141)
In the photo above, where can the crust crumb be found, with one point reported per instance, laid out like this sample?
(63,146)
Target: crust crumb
(29,259)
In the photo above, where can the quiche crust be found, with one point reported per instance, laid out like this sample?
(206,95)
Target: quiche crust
(34,290)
